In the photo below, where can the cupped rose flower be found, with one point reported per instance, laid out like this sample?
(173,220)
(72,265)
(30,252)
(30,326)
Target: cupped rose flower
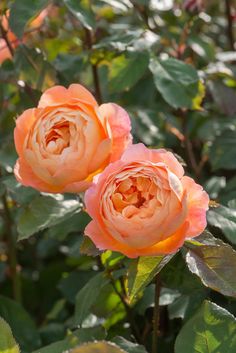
(68,139)
(144,205)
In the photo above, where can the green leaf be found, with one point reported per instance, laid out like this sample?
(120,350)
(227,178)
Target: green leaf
(43,212)
(222,151)
(128,346)
(177,82)
(211,330)
(73,339)
(22,326)
(98,347)
(82,11)
(214,263)
(22,11)
(126,70)
(142,271)
(7,341)
(224,218)
(86,297)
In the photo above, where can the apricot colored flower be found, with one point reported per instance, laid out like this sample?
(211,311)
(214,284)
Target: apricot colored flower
(144,205)
(68,139)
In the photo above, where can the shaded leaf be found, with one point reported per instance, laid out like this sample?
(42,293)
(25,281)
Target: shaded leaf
(7,341)
(86,297)
(43,212)
(222,151)
(214,263)
(22,326)
(211,330)
(82,12)
(177,82)
(126,70)
(78,336)
(88,248)
(224,218)
(128,346)
(142,271)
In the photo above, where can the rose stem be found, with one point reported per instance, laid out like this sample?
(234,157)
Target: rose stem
(12,251)
(89,43)
(156,314)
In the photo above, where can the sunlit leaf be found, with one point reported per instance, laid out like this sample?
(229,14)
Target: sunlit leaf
(7,341)
(142,271)
(98,347)
(212,329)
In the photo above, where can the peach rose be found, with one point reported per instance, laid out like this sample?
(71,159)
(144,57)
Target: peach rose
(144,205)
(68,139)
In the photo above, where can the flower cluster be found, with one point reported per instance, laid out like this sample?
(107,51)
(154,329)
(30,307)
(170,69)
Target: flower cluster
(139,199)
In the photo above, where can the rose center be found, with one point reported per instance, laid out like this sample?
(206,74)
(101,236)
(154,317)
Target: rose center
(133,193)
(58,137)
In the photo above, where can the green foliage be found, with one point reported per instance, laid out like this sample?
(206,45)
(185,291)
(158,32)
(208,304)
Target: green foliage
(142,271)
(211,329)
(215,263)
(7,341)
(43,212)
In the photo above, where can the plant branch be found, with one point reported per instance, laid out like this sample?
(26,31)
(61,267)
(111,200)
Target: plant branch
(5,37)
(128,310)
(12,252)
(156,314)
(89,43)
(230,28)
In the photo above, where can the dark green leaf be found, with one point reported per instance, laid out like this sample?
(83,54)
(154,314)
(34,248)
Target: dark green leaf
(86,298)
(177,82)
(82,12)
(222,151)
(211,330)
(215,264)
(22,326)
(128,346)
(126,70)
(224,218)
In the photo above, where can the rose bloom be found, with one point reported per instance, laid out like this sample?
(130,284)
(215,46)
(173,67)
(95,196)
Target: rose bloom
(144,205)
(68,139)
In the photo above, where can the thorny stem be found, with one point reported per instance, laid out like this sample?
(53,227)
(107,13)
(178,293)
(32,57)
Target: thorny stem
(230,29)
(12,252)
(156,315)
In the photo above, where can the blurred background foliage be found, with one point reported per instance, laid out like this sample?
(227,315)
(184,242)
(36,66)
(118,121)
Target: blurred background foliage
(172,66)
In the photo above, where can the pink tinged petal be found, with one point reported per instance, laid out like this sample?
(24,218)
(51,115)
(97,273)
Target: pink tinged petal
(139,152)
(120,127)
(198,204)
(77,187)
(54,96)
